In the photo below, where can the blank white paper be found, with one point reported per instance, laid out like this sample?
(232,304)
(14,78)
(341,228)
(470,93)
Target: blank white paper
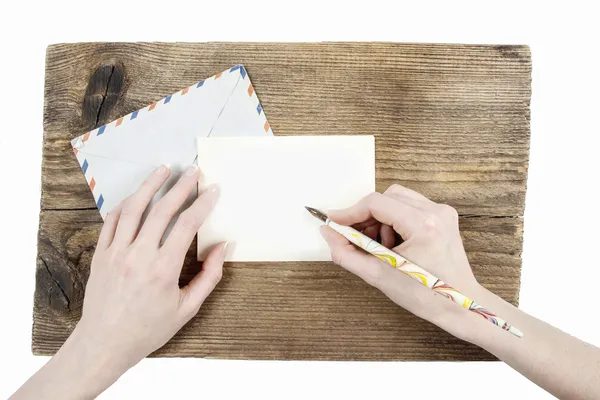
(265,182)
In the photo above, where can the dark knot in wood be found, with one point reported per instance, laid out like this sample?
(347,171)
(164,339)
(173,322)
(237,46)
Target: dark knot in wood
(102,94)
(61,284)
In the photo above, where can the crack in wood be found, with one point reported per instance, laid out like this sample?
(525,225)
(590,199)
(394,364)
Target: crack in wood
(460,215)
(102,94)
(490,216)
(112,71)
(70,209)
(57,284)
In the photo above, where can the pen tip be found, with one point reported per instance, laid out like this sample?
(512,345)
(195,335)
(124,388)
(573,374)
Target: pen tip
(311,210)
(316,213)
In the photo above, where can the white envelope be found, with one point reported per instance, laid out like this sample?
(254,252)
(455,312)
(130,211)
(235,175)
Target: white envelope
(117,157)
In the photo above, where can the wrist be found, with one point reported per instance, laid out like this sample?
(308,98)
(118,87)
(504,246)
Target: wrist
(482,332)
(466,324)
(88,367)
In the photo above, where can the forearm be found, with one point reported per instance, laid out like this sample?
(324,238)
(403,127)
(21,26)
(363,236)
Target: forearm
(562,364)
(77,371)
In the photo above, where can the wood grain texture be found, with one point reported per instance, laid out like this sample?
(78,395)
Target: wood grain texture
(451,121)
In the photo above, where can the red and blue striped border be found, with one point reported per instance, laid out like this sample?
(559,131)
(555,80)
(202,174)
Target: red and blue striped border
(98,197)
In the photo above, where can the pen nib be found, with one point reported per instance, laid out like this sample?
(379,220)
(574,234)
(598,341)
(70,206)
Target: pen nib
(316,213)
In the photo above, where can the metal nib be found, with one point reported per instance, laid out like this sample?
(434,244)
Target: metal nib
(316,213)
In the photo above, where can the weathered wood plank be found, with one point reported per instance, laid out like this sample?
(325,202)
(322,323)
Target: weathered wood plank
(276,310)
(451,121)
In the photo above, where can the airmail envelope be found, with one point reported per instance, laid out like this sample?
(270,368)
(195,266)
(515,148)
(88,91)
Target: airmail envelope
(117,157)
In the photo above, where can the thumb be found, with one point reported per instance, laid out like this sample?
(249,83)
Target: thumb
(345,254)
(195,292)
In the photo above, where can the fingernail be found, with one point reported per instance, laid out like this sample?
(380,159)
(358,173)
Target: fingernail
(162,169)
(322,230)
(192,169)
(212,188)
(224,249)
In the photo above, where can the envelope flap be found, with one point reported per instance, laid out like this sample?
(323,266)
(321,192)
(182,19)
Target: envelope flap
(243,115)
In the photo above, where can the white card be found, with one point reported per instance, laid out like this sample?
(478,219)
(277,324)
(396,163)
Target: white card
(265,183)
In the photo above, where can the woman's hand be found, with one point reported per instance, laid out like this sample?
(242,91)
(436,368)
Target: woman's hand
(133,304)
(559,363)
(431,240)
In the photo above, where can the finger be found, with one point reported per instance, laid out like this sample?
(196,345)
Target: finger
(194,294)
(136,204)
(181,236)
(404,191)
(165,209)
(110,226)
(387,210)
(351,258)
(365,224)
(388,236)
(399,287)
(372,231)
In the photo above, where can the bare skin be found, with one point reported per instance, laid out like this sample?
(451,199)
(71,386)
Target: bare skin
(133,304)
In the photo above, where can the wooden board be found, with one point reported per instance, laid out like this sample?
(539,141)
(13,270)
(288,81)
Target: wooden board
(451,121)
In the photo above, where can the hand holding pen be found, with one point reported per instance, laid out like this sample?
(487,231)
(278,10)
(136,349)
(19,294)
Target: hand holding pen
(430,233)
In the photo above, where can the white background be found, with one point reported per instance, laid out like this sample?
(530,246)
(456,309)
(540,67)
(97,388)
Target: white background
(560,268)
